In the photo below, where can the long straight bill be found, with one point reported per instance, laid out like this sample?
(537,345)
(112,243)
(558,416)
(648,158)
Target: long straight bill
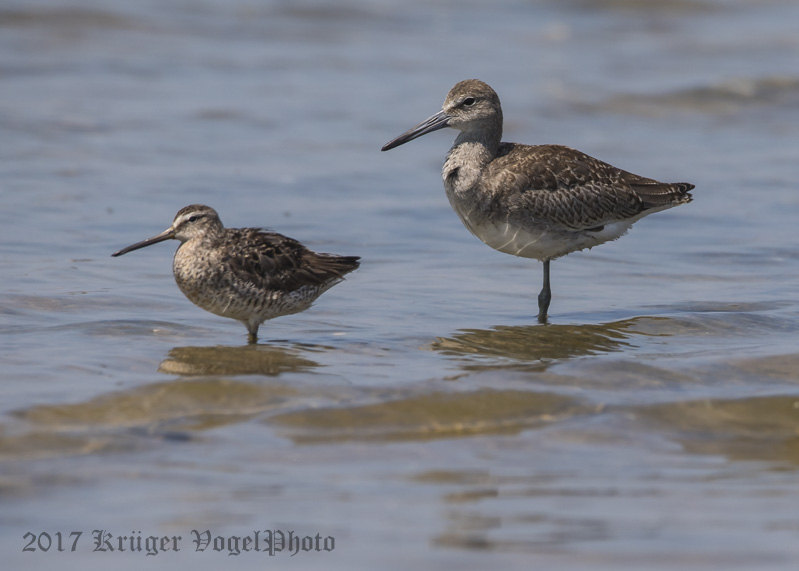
(434,123)
(165,235)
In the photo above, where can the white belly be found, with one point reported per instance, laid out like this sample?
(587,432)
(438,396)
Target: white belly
(538,241)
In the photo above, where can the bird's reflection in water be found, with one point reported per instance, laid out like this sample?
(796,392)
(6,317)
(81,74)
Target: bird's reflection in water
(177,408)
(540,343)
(242,360)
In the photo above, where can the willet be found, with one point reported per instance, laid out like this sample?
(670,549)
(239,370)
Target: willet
(534,201)
(247,274)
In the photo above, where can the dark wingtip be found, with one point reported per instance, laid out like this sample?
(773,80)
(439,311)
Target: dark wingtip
(685,189)
(353,261)
(340,265)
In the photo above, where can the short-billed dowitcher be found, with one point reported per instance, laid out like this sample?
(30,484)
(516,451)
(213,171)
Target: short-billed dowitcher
(534,201)
(247,274)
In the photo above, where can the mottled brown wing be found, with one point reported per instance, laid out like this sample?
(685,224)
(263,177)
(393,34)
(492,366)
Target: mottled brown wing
(574,190)
(271,261)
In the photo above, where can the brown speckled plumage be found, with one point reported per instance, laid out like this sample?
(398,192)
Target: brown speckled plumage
(571,190)
(534,201)
(247,274)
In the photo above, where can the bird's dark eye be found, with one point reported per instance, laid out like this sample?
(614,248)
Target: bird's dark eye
(195,217)
(469,101)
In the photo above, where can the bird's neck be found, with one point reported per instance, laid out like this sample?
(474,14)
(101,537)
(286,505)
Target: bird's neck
(467,158)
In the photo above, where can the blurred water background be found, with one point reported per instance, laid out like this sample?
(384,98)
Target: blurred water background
(417,413)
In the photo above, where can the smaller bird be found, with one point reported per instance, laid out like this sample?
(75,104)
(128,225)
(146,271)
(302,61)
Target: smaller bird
(534,201)
(247,274)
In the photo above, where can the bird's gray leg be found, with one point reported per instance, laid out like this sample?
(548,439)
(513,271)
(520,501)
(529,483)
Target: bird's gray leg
(545,296)
(252,333)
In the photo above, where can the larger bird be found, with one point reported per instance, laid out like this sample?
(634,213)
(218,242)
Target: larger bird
(534,201)
(247,274)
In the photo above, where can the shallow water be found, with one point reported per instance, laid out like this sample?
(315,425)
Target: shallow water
(417,414)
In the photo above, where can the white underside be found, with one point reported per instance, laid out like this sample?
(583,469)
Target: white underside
(540,242)
(513,231)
